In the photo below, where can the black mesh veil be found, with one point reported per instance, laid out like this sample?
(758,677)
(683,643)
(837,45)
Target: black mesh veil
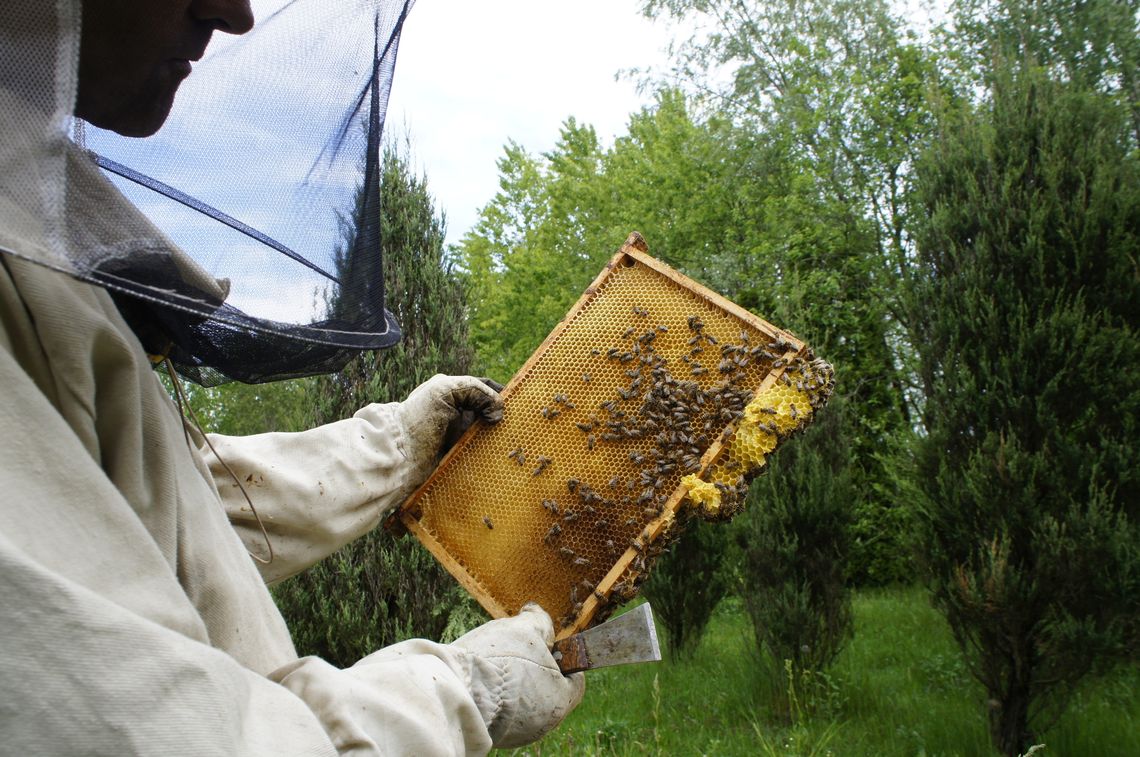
(266,175)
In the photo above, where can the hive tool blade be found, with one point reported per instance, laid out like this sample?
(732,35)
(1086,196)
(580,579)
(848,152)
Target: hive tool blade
(631,637)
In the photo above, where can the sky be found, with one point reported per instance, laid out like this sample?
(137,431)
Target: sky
(472,76)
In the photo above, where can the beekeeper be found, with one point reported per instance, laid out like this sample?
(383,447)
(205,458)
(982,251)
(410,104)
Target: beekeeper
(134,620)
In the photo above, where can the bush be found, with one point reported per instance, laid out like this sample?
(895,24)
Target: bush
(687,583)
(795,541)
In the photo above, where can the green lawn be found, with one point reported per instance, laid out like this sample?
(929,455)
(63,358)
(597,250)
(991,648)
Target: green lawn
(899,688)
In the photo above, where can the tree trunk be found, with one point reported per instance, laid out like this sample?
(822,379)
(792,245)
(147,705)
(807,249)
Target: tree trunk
(1009,720)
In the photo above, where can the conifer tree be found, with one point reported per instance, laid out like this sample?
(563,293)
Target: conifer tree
(795,543)
(381,589)
(1025,310)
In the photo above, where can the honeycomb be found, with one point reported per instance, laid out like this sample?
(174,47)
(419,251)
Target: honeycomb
(773,414)
(654,399)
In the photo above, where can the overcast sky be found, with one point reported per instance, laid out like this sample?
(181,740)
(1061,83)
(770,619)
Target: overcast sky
(472,75)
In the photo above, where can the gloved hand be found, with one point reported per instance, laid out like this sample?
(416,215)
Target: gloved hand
(516,683)
(436,414)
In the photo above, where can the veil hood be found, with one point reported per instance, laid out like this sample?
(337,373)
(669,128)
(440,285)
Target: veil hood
(244,239)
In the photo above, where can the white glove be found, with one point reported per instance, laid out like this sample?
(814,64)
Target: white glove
(516,683)
(436,414)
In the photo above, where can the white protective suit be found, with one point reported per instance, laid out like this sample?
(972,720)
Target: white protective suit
(133,620)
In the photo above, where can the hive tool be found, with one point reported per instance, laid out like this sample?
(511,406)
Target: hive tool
(631,637)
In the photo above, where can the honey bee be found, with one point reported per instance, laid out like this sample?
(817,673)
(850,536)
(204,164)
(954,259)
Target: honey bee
(566,552)
(552,534)
(572,484)
(586,377)
(581,561)
(487,521)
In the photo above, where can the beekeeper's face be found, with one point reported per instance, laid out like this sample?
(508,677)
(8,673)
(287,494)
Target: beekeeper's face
(135,53)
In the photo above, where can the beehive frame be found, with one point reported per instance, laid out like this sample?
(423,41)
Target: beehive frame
(549,505)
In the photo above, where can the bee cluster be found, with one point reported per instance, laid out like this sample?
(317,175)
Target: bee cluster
(664,424)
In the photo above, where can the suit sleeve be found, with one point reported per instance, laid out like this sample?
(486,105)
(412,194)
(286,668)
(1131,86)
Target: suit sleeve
(314,491)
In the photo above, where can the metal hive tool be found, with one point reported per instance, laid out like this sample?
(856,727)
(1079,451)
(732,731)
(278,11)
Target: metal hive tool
(653,399)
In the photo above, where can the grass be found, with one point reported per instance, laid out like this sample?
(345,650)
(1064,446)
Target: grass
(899,688)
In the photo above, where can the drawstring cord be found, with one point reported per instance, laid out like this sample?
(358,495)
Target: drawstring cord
(183,407)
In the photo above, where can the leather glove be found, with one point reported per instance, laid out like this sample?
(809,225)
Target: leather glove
(436,414)
(515,681)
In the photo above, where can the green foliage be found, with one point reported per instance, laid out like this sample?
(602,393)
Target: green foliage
(529,257)
(686,585)
(368,595)
(794,540)
(1093,45)
(238,409)
(378,590)
(1026,310)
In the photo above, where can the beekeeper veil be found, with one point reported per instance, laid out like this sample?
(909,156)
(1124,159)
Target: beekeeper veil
(243,239)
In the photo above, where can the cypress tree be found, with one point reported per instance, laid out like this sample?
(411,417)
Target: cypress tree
(686,585)
(795,544)
(1025,308)
(380,589)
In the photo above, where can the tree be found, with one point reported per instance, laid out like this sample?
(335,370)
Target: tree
(1025,306)
(829,99)
(534,248)
(378,589)
(1093,44)
(687,583)
(794,540)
